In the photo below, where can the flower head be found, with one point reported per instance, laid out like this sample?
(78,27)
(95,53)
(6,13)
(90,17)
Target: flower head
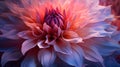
(69,29)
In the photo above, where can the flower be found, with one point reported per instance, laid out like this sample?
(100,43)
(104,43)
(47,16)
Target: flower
(69,29)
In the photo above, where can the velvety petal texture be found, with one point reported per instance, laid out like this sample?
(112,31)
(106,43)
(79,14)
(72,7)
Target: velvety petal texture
(27,45)
(92,54)
(75,31)
(46,57)
(108,50)
(100,29)
(75,58)
(62,46)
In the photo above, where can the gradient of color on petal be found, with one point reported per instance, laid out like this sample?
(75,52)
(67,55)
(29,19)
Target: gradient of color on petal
(72,30)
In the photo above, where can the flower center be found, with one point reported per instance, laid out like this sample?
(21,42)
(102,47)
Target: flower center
(53,17)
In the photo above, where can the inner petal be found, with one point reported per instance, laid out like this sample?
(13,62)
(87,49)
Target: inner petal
(53,17)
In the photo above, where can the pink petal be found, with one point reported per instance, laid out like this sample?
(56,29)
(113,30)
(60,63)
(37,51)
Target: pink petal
(27,45)
(41,44)
(47,28)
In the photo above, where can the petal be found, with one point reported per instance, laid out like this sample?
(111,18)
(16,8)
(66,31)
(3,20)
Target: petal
(75,58)
(92,3)
(41,44)
(29,61)
(100,29)
(46,28)
(116,36)
(10,55)
(107,45)
(10,35)
(8,31)
(71,36)
(62,46)
(25,34)
(102,13)
(27,45)
(46,57)
(92,54)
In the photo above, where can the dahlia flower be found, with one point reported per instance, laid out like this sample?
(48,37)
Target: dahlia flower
(71,30)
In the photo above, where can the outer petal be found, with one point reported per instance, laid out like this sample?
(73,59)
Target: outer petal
(46,57)
(107,45)
(10,55)
(62,46)
(75,58)
(92,3)
(25,34)
(29,61)
(27,45)
(100,29)
(71,36)
(92,54)
(100,13)
(8,31)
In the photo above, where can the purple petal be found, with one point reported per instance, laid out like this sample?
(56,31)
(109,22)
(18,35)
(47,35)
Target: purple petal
(25,34)
(10,55)
(46,57)
(92,54)
(100,29)
(9,31)
(107,45)
(29,61)
(27,45)
(62,46)
(75,58)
